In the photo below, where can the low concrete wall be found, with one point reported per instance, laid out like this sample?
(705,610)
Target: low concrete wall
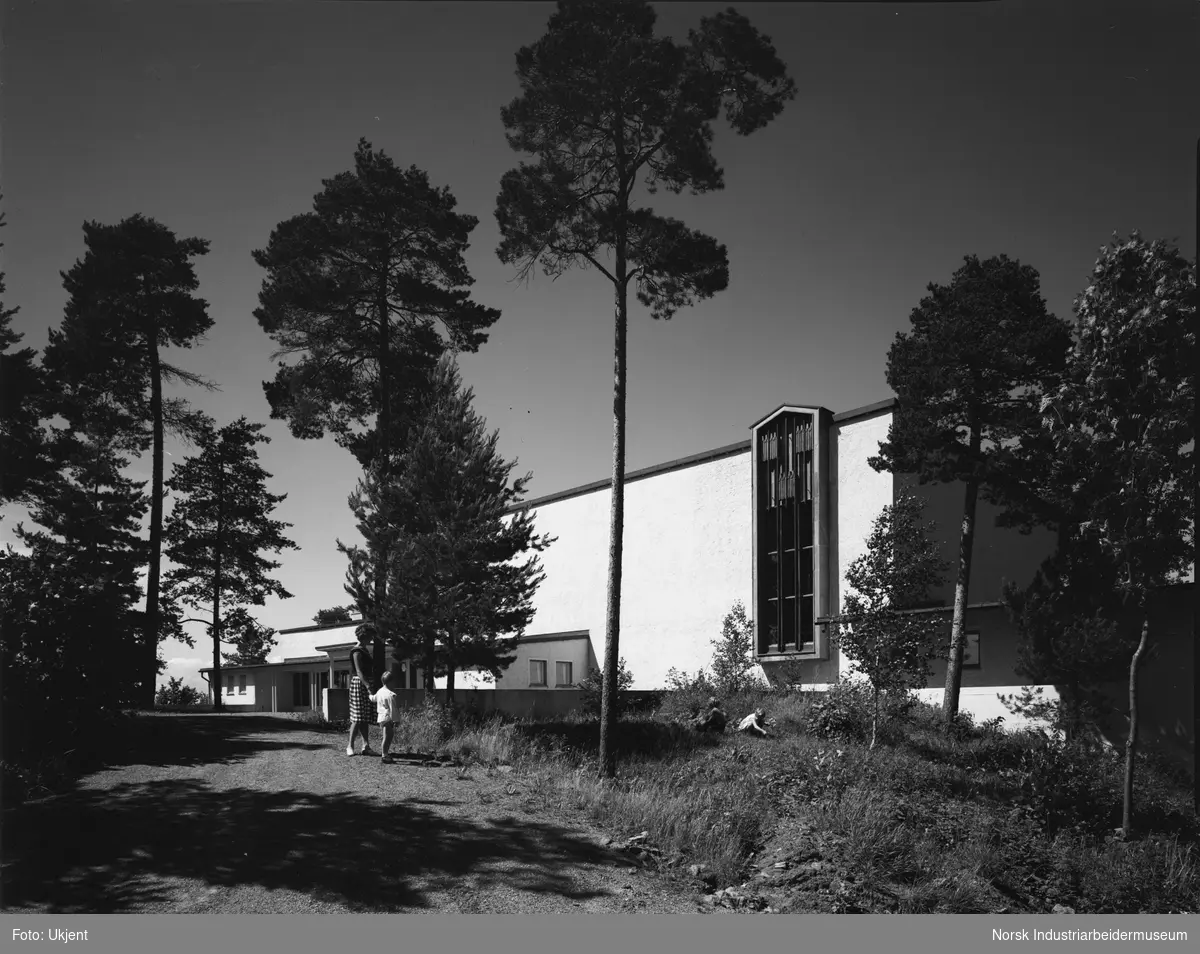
(519,703)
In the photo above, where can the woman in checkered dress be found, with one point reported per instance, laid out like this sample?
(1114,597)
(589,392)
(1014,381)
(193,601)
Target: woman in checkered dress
(361,710)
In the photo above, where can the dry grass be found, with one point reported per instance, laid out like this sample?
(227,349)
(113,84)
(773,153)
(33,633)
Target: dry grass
(971,821)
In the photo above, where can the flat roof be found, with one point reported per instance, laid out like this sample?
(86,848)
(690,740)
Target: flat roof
(729,450)
(317,627)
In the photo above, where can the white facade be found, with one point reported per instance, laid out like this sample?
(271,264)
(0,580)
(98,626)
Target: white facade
(686,560)
(689,555)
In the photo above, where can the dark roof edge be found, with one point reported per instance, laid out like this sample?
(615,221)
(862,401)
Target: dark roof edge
(729,450)
(865,411)
(319,627)
(554,637)
(806,407)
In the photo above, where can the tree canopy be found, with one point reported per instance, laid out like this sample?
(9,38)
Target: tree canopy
(968,378)
(220,528)
(366,291)
(129,297)
(1123,419)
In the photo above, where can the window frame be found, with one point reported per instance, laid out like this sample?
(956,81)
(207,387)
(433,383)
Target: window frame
(570,680)
(545,674)
(790,503)
(977,663)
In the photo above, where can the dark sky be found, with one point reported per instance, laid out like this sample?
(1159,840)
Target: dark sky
(921,133)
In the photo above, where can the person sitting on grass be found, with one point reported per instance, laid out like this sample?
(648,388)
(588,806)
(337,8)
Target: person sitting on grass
(360,689)
(713,719)
(388,706)
(754,723)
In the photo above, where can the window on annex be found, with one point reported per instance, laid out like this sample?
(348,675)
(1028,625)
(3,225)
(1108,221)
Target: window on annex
(785,456)
(341,679)
(301,689)
(537,672)
(242,684)
(229,685)
(971,658)
(563,674)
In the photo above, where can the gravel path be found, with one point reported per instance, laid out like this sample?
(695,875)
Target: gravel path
(262,815)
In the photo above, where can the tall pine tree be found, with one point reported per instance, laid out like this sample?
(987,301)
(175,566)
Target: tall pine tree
(130,297)
(358,289)
(606,105)
(220,527)
(71,632)
(969,376)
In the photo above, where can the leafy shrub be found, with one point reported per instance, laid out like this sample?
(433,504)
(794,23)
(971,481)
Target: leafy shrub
(733,664)
(1070,786)
(846,708)
(686,696)
(175,693)
(592,688)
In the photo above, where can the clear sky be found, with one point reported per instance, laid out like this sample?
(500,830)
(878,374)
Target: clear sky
(920,133)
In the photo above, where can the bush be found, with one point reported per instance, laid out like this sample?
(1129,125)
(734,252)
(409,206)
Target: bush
(175,693)
(846,708)
(733,662)
(592,689)
(686,696)
(425,728)
(1070,786)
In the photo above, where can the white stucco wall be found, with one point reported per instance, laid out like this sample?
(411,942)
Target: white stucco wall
(861,494)
(237,698)
(467,679)
(686,560)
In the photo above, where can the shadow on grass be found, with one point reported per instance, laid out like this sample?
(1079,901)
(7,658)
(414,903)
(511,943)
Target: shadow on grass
(103,851)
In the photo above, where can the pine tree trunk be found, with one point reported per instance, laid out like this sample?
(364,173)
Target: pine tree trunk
(156,526)
(612,632)
(875,699)
(874,722)
(218,702)
(383,459)
(966,543)
(1131,743)
(429,661)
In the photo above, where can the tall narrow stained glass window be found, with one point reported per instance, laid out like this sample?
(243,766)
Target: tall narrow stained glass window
(785,458)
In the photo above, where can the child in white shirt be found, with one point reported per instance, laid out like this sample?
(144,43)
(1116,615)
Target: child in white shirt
(388,711)
(753,723)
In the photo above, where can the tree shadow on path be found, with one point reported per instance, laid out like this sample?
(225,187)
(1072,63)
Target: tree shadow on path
(188,740)
(112,848)
(104,851)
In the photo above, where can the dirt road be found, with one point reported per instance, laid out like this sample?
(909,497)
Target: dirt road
(256,814)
